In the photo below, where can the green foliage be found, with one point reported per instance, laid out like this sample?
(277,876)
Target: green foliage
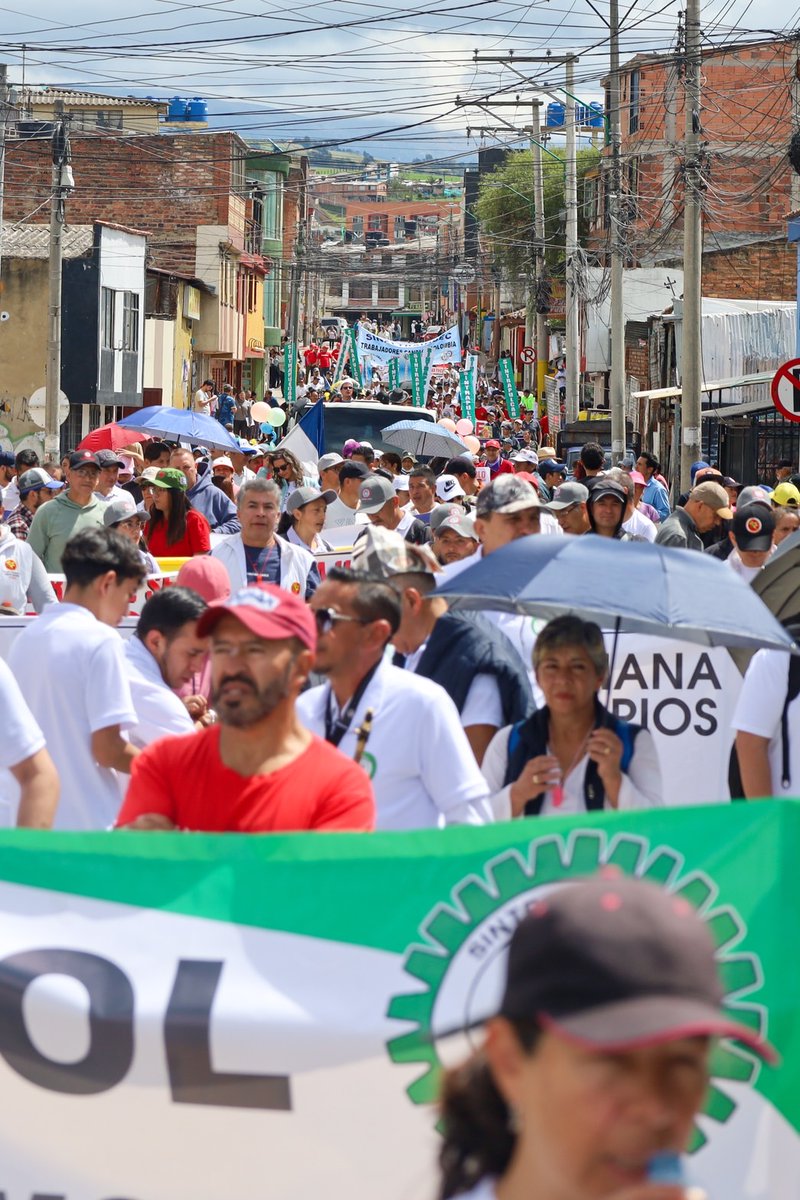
(505,209)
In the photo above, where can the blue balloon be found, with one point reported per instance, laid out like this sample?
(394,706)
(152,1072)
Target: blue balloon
(266,427)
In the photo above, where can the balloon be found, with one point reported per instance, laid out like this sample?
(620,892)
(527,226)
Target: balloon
(276,418)
(472,444)
(464,427)
(446,423)
(260,411)
(266,427)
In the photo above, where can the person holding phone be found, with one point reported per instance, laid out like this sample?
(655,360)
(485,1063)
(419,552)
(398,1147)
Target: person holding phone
(572,755)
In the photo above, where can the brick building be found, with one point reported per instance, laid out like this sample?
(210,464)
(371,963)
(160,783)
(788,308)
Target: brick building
(746,126)
(398,220)
(191,194)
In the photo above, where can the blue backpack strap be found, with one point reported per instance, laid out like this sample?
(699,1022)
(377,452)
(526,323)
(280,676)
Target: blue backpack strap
(514,737)
(626,732)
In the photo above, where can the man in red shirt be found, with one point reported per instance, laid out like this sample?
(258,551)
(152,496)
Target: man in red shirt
(492,460)
(259,770)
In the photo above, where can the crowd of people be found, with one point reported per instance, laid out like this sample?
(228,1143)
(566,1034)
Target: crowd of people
(253,684)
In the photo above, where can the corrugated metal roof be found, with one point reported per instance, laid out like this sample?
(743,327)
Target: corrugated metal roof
(33,241)
(46,95)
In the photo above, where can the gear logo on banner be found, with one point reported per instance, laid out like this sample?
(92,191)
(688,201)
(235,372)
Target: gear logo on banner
(456,970)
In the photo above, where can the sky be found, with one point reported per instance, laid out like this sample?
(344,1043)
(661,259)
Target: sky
(379,76)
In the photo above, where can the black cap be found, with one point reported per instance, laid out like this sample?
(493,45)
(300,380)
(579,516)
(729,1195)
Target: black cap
(353,470)
(607,487)
(80,458)
(615,962)
(753,527)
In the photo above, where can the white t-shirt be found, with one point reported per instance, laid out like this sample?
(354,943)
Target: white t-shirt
(423,771)
(340,513)
(10,495)
(71,669)
(158,710)
(640,788)
(640,525)
(202,402)
(759,711)
(21,738)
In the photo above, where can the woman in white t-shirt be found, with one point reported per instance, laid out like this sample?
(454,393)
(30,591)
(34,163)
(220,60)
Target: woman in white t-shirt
(590,1077)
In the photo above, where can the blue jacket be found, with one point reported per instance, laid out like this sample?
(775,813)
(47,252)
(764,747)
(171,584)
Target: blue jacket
(218,510)
(225,409)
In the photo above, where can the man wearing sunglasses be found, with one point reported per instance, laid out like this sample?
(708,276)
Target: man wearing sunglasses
(258,770)
(404,730)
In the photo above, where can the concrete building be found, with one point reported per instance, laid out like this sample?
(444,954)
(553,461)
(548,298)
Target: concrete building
(102,297)
(88,112)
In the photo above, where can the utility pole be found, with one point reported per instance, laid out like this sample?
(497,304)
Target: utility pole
(62,184)
(542,336)
(691,363)
(4,113)
(617,375)
(571,203)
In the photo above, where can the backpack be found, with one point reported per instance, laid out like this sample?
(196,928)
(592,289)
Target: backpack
(792,692)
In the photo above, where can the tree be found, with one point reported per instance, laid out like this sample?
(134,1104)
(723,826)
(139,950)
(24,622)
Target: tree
(505,210)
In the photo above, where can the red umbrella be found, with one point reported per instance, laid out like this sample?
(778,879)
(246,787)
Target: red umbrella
(112,437)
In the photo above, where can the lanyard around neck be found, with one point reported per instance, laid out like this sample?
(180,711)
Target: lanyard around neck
(337,727)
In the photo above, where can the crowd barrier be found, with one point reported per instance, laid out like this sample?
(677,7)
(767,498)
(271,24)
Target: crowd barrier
(185,1015)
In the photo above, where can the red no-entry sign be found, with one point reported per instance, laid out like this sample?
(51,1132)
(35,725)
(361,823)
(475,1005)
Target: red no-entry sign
(786,390)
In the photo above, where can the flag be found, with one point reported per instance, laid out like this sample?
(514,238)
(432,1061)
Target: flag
(307,439)
(198,991)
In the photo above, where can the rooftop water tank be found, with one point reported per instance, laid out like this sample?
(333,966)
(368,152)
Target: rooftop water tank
(555,115)
(197,109)
(177,109)
(596,117)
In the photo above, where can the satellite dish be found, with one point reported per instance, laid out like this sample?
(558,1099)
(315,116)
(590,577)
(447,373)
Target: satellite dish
(464,274)
(36,407)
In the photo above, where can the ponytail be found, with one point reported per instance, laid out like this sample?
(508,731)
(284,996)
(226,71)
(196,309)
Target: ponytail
(479,1134)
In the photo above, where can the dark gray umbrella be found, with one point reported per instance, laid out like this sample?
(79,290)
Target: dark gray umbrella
(633,587)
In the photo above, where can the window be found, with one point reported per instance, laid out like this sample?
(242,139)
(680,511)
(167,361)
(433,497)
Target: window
(361,289)
(358,227)
(388,291)
(399,229)
(633,117)
(130,321)
(107,318)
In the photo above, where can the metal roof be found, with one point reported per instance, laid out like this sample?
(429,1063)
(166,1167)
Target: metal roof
(45,95)
(33,241)
(716,385)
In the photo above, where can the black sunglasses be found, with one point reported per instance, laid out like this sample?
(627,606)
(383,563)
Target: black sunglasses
(326,618)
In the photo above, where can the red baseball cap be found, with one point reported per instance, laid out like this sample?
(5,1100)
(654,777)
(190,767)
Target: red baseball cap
(492,443)
(268,612)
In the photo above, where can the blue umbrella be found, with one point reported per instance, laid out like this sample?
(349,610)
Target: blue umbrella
(181,425)
(423,438)
(634,587)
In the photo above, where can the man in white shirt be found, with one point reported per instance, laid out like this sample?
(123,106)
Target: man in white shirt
(403,729)
(767,726)
(345,510)
(28,780)
(260,555)
(164,653)
(110,465)
(71,669)
(201,403)
(241,471)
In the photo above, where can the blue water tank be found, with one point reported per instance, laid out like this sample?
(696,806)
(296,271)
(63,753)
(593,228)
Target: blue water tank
(177,109)
(555,116)
(197,109)
(596,118)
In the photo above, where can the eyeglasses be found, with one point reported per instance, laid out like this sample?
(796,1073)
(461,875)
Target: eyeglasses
(279,466)
(326,619)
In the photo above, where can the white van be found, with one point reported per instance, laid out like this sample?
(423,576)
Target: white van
(365,421)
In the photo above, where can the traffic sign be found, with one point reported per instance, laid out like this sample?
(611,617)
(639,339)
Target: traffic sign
(36,407)
(464,274)
(786,390)
(527,355)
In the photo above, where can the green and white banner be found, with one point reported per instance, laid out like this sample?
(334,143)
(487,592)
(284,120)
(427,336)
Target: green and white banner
(353,360)
(394,373)
(290,373)
(468,386)
(420,362)
(192,1016)
(505,369)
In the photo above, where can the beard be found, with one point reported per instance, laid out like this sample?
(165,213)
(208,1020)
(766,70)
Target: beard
(252,704)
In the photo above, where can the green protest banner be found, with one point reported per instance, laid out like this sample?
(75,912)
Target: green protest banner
(505,369)
(220,994)
(290,373)
(353,361)
(394,373)
(417,366)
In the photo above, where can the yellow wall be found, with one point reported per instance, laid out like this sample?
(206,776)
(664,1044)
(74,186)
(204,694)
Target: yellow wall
(23,349)
(254,324)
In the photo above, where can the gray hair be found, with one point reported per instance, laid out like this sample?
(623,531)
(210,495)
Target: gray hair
(572,631)
(622,477)
(260,486)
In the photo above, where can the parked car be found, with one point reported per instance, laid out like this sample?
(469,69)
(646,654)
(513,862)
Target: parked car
(365,421)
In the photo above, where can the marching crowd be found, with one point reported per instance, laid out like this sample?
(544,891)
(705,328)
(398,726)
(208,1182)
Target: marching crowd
(262,692)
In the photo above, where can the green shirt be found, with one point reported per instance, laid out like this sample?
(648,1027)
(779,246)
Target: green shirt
(55,522)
